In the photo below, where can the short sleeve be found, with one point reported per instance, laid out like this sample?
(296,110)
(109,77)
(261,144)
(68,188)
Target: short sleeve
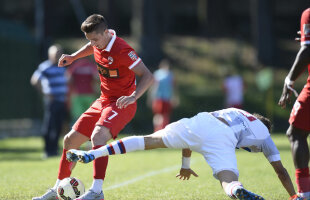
(270,150)
(305,27)
(129,58)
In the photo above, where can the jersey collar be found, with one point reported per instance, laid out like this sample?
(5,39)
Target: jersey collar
(109,46)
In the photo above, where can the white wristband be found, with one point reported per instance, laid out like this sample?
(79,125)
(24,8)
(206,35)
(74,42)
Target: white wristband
(186,162)
(288,81)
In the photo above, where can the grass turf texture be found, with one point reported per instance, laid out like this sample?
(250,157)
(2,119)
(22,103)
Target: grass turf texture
(146,175)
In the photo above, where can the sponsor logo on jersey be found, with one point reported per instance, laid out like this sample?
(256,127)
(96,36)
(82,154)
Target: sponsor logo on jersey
(109,73)
(113,73)
(133,55)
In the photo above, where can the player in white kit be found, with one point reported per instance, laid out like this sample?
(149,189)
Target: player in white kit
(215,135)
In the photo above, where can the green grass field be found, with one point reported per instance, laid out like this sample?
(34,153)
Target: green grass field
(148,175)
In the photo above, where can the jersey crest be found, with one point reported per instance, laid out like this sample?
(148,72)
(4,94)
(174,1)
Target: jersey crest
(110,59)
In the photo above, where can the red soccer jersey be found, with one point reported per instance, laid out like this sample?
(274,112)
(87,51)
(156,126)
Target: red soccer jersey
(114,64)
(305,27)
(300,115)
(305,33)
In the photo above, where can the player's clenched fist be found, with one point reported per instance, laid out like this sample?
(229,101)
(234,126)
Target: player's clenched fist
(65,60)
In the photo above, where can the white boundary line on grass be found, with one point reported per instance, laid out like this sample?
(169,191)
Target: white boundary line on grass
(152,173)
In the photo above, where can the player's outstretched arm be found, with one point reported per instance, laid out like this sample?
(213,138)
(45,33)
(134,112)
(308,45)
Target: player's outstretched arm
(185,171)
(66,59)
(301,62)
(284,177)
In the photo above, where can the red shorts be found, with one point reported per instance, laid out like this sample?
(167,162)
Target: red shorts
(104,113)
(161,106)
(300,115)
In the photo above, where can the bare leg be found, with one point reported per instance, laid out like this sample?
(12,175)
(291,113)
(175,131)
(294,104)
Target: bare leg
(73,140)
(225,177)
(233,188)
(300,153)
(153,142)
(299,146)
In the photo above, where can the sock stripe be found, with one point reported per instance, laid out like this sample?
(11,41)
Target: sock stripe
(302,172)
(110,149)
(121,146)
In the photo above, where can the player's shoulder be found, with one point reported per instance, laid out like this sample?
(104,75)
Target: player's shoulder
(305,16)
(306,11)
(121,45)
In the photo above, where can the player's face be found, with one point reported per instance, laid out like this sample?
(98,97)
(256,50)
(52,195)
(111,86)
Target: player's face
(99,40)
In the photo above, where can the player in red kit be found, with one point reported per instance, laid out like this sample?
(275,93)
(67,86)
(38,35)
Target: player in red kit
(299,128)
(117,64)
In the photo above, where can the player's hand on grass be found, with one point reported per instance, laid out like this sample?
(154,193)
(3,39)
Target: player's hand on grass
(124,101)
(185,174)
(65,60)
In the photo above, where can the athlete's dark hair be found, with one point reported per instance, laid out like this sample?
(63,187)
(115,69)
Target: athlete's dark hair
(96,23)
(265,121)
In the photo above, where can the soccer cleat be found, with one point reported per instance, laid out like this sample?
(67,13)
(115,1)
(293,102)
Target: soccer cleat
(78,155)
(91,195)
(51,194)
(243,194)
(86,157)
(73,155)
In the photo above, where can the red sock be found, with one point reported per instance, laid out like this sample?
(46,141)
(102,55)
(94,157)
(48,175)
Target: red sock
(65,166)
(100,165)
(303,180)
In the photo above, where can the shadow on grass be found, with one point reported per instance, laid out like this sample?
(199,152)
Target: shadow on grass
(22,158)
(23,154)
(20,150)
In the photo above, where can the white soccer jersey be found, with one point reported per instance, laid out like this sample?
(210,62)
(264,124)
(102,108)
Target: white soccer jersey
(217,141)
(249,131)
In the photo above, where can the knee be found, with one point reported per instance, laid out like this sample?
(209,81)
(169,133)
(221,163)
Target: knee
(289,134)
(96,136)
(294,134)
(67,140)
(100,136)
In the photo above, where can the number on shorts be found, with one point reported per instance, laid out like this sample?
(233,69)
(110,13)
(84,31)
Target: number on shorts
(112,116)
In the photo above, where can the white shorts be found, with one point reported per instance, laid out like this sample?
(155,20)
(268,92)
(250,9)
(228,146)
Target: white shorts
(216,143)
